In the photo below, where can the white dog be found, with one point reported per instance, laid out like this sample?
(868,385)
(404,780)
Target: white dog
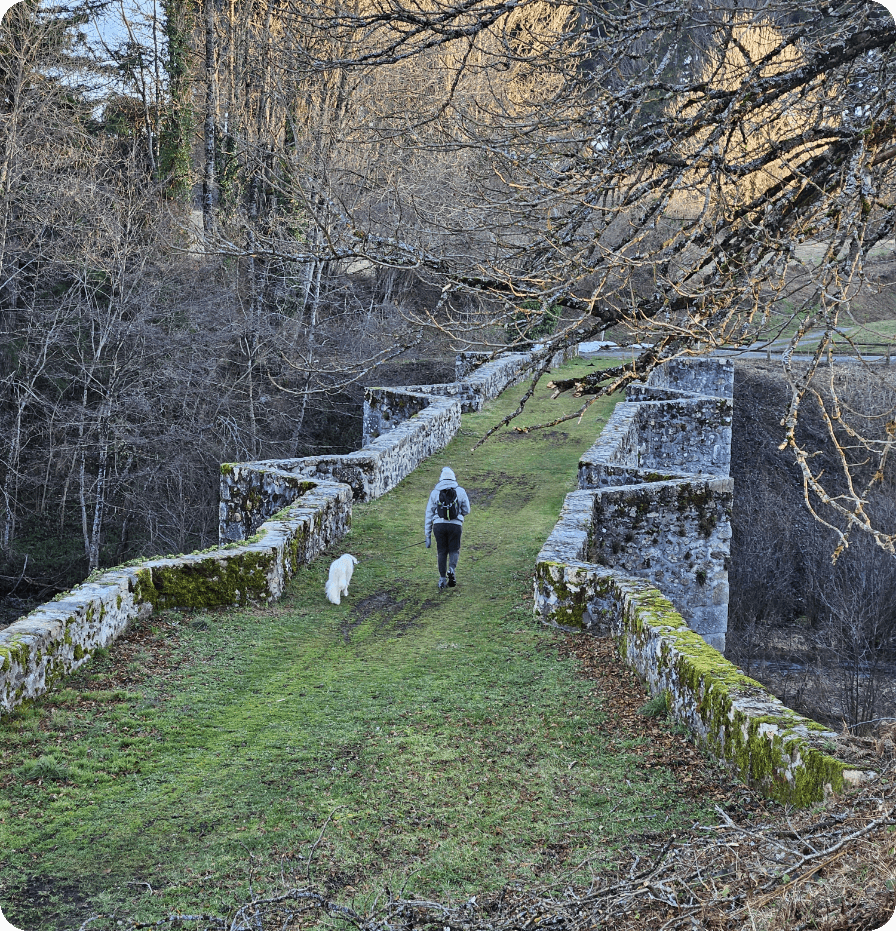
(340,575)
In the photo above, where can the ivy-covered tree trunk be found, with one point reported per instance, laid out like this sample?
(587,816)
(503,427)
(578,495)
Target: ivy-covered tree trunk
(209,198)
(174,148)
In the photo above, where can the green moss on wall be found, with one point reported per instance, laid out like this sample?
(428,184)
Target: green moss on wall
(762,757)
(573,598)
(655,477)
(144,590)
(768,751)
(14,651)
(295,550)
(238,579)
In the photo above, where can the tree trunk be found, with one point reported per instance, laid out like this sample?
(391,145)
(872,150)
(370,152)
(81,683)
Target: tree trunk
(82,498)
(10,481)
(209,192)
(99,507)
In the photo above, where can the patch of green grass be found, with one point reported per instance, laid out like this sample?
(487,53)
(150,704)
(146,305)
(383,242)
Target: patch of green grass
(46,767)
(656,707)
(434,741)
(880,331)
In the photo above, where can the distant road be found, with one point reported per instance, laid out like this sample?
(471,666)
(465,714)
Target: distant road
(755,351)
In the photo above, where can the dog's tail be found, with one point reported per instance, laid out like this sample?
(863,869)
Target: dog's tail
(333,591)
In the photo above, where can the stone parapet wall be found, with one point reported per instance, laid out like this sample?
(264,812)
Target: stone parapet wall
(479,377)
(781,754)
(614,457)
(491,378)
(402,427)
(369,472)
(691,435)
(660,496)
(266,491)
(656,496)
(465,363)
(640,552)
(60,636)
(705,376)
(677,534)
(640,393)
(658,440)
(386,408)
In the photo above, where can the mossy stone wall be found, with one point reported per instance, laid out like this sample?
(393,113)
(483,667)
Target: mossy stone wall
(640,552)
(386,408)
(677,534)
(770,746)
(479,377)
(251,495)
(59,636)
(369,472)
(659,495)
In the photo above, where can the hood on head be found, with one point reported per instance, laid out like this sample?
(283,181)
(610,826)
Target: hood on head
(447,475)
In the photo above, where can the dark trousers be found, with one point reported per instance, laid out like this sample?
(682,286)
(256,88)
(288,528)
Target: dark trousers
(448,545)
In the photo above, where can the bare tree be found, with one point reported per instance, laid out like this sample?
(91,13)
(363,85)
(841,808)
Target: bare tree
(656,170)
(35,139)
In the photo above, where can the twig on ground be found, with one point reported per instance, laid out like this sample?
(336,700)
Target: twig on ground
(319,839)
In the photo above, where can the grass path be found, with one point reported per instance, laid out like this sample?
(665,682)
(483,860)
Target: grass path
(432,740)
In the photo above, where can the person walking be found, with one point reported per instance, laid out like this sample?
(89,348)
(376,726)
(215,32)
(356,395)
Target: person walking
(445,511)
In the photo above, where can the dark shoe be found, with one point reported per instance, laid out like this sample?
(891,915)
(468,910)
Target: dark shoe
(451,580)
(442,584)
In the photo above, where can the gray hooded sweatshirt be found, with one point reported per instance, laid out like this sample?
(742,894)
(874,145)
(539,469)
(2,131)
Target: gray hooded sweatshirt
(446,480)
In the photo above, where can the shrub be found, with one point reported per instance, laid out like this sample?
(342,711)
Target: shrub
(657,707)
(45,767)
(532,322)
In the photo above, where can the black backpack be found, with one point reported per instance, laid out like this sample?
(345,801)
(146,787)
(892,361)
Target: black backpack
(448,507)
